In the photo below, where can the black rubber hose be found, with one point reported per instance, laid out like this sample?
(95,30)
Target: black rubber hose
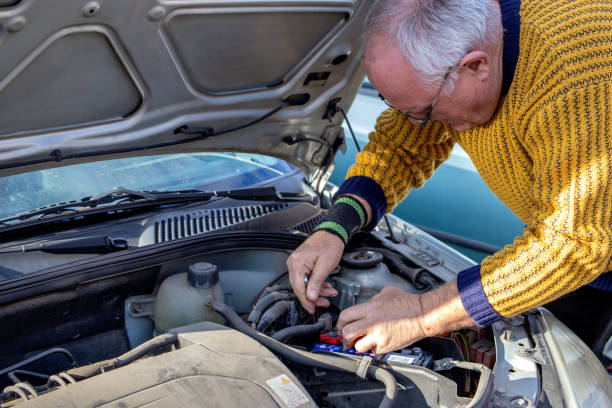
(419,277)
(301,330)
(263,303)
(38,357)
(274,312)
(324,361)
(13,375)
(124,359)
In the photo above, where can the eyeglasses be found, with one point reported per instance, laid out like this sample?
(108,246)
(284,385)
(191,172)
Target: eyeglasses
(423,121)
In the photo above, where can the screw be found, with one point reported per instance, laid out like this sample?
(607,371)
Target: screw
(156,13)
(507,336)
(91,9)
(519,403)
(15,24)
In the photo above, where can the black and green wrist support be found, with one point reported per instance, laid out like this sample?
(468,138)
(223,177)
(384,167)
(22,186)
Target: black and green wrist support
(346,217)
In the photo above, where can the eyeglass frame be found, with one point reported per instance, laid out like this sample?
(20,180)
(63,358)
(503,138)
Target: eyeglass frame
(424,121)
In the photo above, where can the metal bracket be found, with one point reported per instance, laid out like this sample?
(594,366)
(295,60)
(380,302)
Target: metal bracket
(443,364)
(348,291)
(141,306)
(533,354)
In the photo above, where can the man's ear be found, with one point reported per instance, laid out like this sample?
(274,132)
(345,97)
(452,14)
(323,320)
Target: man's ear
(477,64)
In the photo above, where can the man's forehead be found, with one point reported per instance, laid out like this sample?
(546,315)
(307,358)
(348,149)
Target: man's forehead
(392,75)
(383,59)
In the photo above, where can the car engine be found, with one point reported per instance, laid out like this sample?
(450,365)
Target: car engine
(159,336)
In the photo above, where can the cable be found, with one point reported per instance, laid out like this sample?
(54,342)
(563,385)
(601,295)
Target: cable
(324,323)
(325,361)
(299,330)
(13,375)
(68,377)
(273,313)
(263,303)
(208,132)
(38,357)
(58,380)
(419,277)
(202,133)
(348,123)
(16,390)
(124,359)
(328,158)
(341,110)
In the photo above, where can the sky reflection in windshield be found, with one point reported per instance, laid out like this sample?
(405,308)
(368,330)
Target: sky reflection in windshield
(207,171)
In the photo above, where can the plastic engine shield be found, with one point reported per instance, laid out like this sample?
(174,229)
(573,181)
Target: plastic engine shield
(213,366)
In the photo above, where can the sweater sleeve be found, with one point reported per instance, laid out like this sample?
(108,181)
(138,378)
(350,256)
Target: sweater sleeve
(398,157)
(570,142)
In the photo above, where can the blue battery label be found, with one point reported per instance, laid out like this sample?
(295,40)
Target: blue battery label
(339,349)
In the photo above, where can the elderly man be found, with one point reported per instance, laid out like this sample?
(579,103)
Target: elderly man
(526,90)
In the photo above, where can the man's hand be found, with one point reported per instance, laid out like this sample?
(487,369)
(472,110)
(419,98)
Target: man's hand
(389,321)
(316,258)
(394,319)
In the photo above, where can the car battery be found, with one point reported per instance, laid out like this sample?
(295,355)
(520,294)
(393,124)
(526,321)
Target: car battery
(335,348)
(409,356)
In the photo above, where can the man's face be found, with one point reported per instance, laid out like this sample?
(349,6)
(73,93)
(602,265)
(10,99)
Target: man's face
(472,102)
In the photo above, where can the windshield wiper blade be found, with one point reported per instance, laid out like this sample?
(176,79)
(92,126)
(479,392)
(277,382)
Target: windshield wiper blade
(117,197)
(77,205)
(251,194)
(79,245)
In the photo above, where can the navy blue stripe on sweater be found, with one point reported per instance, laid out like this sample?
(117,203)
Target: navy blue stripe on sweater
(474,299)
(370,191)
(477,305)
(511,21)
(603,282)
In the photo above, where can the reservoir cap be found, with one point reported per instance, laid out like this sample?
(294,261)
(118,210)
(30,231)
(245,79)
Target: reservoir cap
(203,275)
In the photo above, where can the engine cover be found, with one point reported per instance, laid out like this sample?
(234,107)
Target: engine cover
(212,366)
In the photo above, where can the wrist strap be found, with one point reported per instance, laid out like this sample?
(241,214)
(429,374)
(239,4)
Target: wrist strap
(346,217)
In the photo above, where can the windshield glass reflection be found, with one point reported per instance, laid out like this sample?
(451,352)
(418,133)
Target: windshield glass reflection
(207,171)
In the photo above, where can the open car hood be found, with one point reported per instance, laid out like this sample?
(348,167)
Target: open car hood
(83,81)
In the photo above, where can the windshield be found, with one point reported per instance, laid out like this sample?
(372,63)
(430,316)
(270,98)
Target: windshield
(206,171)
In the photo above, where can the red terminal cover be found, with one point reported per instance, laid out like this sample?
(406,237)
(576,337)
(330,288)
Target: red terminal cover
(327,339)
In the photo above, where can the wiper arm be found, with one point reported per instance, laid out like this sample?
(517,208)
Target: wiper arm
(80,245)
(122,196)
(77,205)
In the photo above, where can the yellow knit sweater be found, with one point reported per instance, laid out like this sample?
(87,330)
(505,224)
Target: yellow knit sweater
(546,154)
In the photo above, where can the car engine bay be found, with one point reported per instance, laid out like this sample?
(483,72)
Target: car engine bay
(85,345)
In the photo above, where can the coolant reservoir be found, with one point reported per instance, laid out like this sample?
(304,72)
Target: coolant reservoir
(182,298)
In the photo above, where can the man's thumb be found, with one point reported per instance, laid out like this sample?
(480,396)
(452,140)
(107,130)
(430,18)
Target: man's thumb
(314,284)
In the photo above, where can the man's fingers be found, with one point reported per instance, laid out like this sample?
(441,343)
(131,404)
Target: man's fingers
(315,258)
(316,279)
(296,277)
(352,331)
(322,302)
(351,314)
(366,343)
(326,261)
(327,291)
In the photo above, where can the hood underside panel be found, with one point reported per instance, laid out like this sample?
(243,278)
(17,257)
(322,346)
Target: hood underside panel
(89,81)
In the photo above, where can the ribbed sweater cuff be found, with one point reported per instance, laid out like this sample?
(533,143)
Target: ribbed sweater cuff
(370,191)
(603,282)
(474,299)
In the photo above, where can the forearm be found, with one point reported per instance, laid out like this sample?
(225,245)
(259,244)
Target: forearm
(365,205)
(442,310)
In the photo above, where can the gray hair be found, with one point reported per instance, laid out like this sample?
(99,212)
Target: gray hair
(434,35)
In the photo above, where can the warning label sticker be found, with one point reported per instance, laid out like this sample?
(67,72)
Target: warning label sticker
(287,390)
(402,359)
